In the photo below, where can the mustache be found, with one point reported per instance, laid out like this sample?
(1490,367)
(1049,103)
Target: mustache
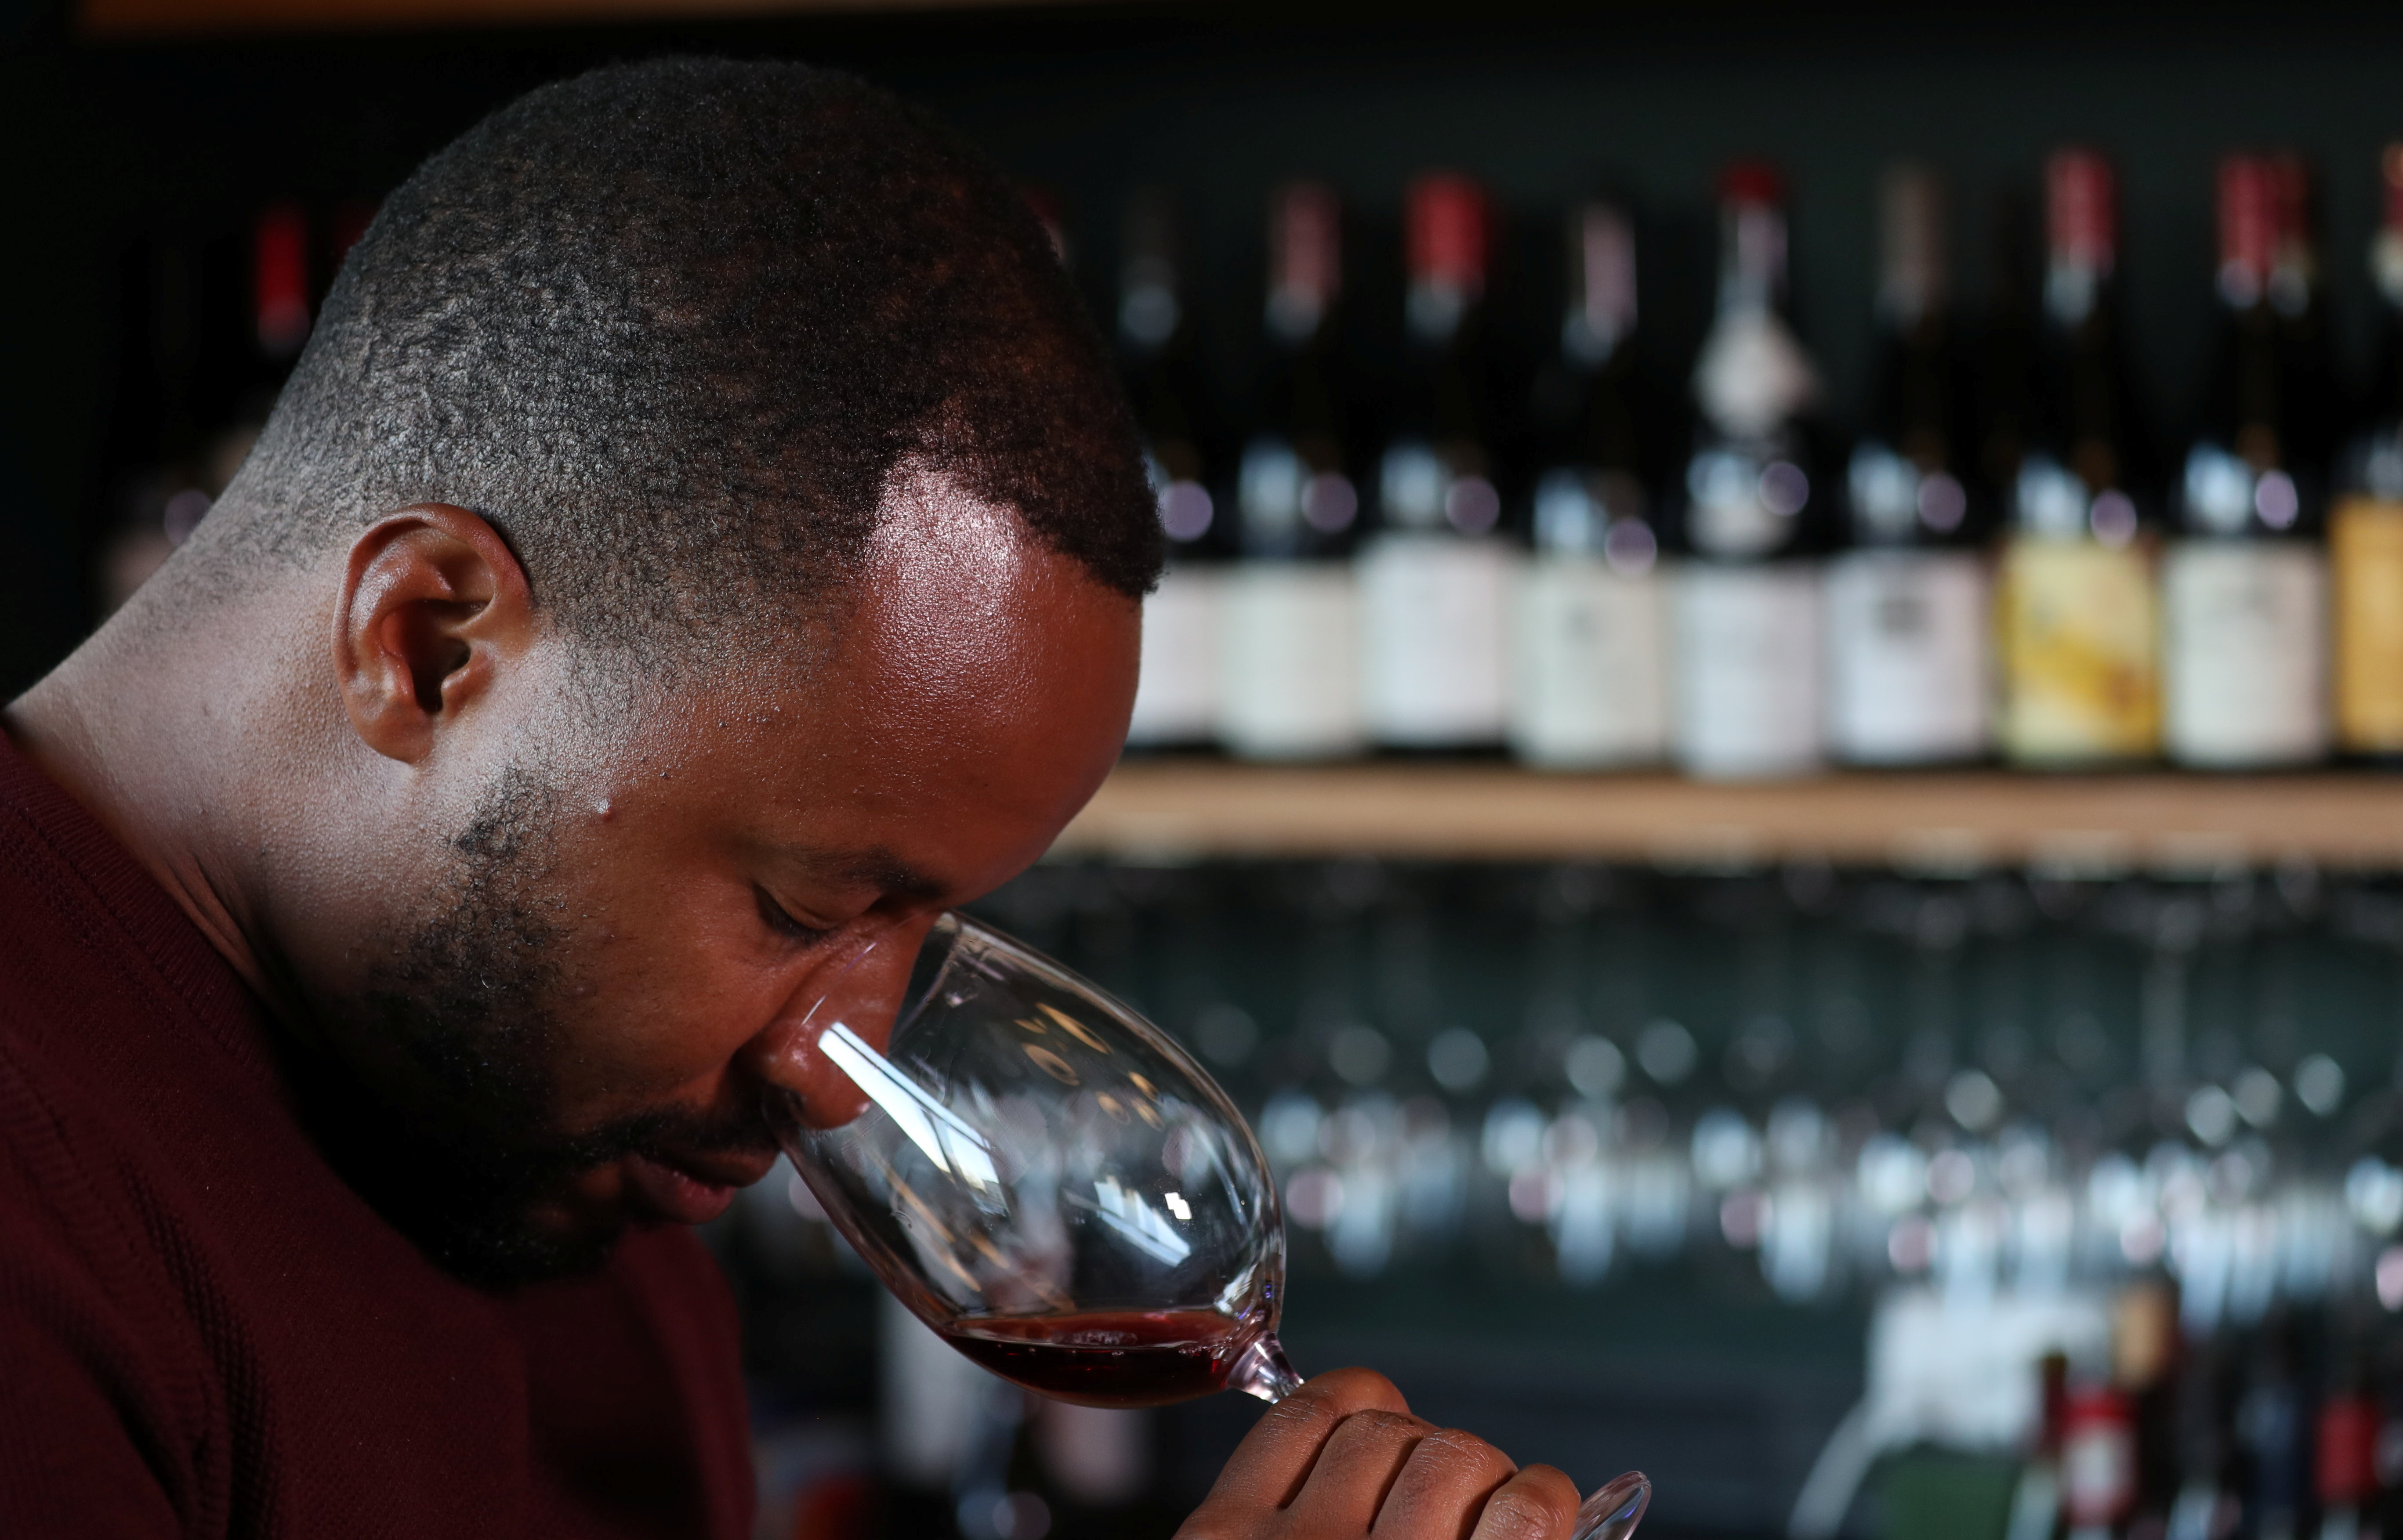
(656,1132)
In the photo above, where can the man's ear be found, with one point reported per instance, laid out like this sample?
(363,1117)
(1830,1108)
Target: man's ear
(434,605)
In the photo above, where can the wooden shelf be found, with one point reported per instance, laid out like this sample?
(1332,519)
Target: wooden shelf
(1187,809)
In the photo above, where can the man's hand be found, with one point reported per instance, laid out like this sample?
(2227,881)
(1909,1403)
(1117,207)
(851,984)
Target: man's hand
(1342,1457)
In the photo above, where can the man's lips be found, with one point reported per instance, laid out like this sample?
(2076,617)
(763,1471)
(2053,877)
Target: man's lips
(691,1190)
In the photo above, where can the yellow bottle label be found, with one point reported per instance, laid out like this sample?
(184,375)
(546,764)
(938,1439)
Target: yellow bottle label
(2081,648)
(2366,569)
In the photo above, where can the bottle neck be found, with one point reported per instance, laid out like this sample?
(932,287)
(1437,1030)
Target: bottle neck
(1752,257)
(1305,266)
(1913,282)
(1151,291)
(1447,251)
(2081,238)
(279,283)
(1600,316)
(2072,486)
(1151,312)
(2236,480)
(1903,486)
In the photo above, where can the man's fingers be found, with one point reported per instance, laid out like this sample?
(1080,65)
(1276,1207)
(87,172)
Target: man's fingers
(1442,1487)
(1276,1456)
(1357,1465)
(1537,1504)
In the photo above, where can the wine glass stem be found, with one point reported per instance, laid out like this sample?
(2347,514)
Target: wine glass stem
(1615,1507)
(1261,1370)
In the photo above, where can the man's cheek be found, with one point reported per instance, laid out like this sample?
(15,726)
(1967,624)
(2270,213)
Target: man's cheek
(640,1059)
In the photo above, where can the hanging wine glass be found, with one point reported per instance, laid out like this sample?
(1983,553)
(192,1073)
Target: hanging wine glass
(1052,1184)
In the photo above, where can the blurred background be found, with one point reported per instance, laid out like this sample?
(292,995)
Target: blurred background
(1765,761)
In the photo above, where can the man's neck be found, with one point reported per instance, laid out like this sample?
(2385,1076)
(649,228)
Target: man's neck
(158,724)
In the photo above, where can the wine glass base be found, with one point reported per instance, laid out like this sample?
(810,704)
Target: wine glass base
(1615,1507)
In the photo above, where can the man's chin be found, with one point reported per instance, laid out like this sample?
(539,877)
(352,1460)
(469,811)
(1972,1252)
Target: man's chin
(513,1250)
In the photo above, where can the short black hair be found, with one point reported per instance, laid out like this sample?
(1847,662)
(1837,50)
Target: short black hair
(671,325)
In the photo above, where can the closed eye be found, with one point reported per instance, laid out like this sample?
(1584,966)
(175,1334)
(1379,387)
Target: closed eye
(776,918)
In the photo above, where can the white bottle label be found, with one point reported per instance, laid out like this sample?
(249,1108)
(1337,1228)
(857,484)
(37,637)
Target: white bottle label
(1432,651)
(1748,662)
(1289,681)
(1907,669)
(1176,701)
(1589,678)
(2245,661)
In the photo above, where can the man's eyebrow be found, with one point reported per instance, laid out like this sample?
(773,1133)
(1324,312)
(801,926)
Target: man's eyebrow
(876,867)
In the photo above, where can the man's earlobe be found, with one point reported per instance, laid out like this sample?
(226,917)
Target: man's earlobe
(434,605)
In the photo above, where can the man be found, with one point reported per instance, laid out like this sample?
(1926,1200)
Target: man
(701,534)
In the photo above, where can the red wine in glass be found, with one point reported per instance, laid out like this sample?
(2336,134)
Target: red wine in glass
(1108,1358)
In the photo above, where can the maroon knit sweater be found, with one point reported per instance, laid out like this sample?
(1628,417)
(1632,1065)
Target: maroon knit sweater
(203,1332)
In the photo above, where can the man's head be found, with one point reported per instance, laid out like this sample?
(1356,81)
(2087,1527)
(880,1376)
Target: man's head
(670,327)
(730,539)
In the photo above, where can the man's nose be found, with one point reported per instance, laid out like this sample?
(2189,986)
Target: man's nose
(864,993)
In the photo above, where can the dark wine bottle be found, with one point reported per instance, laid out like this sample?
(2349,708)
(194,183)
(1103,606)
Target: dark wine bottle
(2344,1462)
(274,314)
(1906,601)
(2316,418)
(1590,683)
(2243,586)
(2098,1461)
(1434,576)
(1748,603)
(2036,1511)
(2077,601)
(1290,685)
(2274,1432)
(1177,704)
(2207,1505)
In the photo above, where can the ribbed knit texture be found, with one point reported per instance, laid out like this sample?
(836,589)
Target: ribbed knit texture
(204,1333)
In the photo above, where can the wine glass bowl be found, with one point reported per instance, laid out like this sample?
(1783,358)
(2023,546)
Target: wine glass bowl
(1045,1179)
(1048,1182)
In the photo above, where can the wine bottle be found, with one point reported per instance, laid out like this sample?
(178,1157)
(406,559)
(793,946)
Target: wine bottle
(1289,683)
(1434,576)
(2344,1464)
(2207,1505)
(2144,1365)
(1590,683)
(255,334)
(1748,603)
(1907,602)
(2078,605)
(2098,1461)
(1176,703)
(2035,1512)
(2299,297)
(2243,586)
(2366,526)
(279,283)
(2273,1429)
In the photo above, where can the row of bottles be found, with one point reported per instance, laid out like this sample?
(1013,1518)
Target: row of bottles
(1999,566)
(2289,1428)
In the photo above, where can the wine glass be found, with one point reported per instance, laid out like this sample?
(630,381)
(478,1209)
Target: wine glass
(1049,1183)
